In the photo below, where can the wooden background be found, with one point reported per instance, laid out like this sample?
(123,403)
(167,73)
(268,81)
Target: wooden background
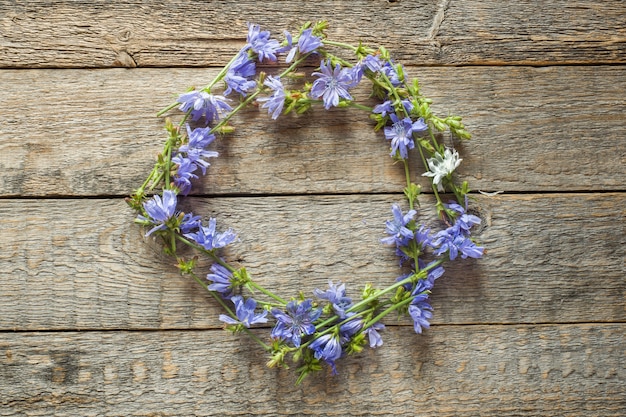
(95,321)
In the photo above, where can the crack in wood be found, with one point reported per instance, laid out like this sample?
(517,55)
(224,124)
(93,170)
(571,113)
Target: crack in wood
(437,22)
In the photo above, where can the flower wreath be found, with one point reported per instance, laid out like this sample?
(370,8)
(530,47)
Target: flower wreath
(329,325)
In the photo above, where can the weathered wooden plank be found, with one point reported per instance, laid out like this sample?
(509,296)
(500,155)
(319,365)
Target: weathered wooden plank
(94,133)
(82,264)
(180,33)
(449,371)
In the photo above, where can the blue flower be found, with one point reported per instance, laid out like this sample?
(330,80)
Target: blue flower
(374,337)
(328,348)
(419,309)
(275,103)
(384,108)
(190,223)
(198,140)
(222,283)
(336,295)
(465,221)
(423,238)
(296,321)
(372,62)
(453,240)
(390,71)
(306,43)
(202,104)
(332,84)
(238,76)
(350,328)
(420,312)
(398,233)
(184,173)
(260,43)
(209,239)
(401,134)
(244,310)
(159,211)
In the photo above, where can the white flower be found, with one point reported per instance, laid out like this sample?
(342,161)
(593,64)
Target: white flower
(442,166)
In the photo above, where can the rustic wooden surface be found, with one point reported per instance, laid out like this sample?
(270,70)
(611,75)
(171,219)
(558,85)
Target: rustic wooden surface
(94,320)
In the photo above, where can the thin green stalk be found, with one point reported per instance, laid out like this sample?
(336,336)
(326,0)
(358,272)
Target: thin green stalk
(221,74)
(335,326)
(168,164)
(340,45)
(168,108)
(214,295)
(360,106)
(383,313)
(267,292)
(211,254)
(407,174)
(220,261)
(156,181)
(421,274)
(229,311)
(432,186)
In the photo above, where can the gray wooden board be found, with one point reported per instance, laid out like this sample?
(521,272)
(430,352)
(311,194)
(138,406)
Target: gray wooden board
(95,320)
(530,370)
(94,133)
(83,264)
(181,33)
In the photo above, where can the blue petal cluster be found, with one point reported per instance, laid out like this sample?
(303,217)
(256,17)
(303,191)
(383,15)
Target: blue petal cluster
(209,238)
(401,134)
(240,74)
(296,321)
(201,104)
(336,295)
(191,156)
(274,103)
(159,210)
(261,44)
(307,42)
(456,239)
(245,312)
(333,84)
(222,281)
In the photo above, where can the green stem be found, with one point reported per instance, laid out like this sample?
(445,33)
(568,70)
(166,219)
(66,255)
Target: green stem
(267,292)
(421,274)
(407,174)
(168,108)
(436,144)
(168,163)
(340,45)
(382,314)
(221,74)
(432,185)
(210,253)
(156,181)
(220,261)
(360,106)
(214,295)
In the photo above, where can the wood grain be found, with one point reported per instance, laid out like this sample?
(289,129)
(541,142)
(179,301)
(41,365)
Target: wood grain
(181,33)
(82,264)
(94,133)
(449,371)
(96,321)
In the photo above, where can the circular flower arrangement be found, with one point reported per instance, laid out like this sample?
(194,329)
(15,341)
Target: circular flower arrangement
(328,325)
